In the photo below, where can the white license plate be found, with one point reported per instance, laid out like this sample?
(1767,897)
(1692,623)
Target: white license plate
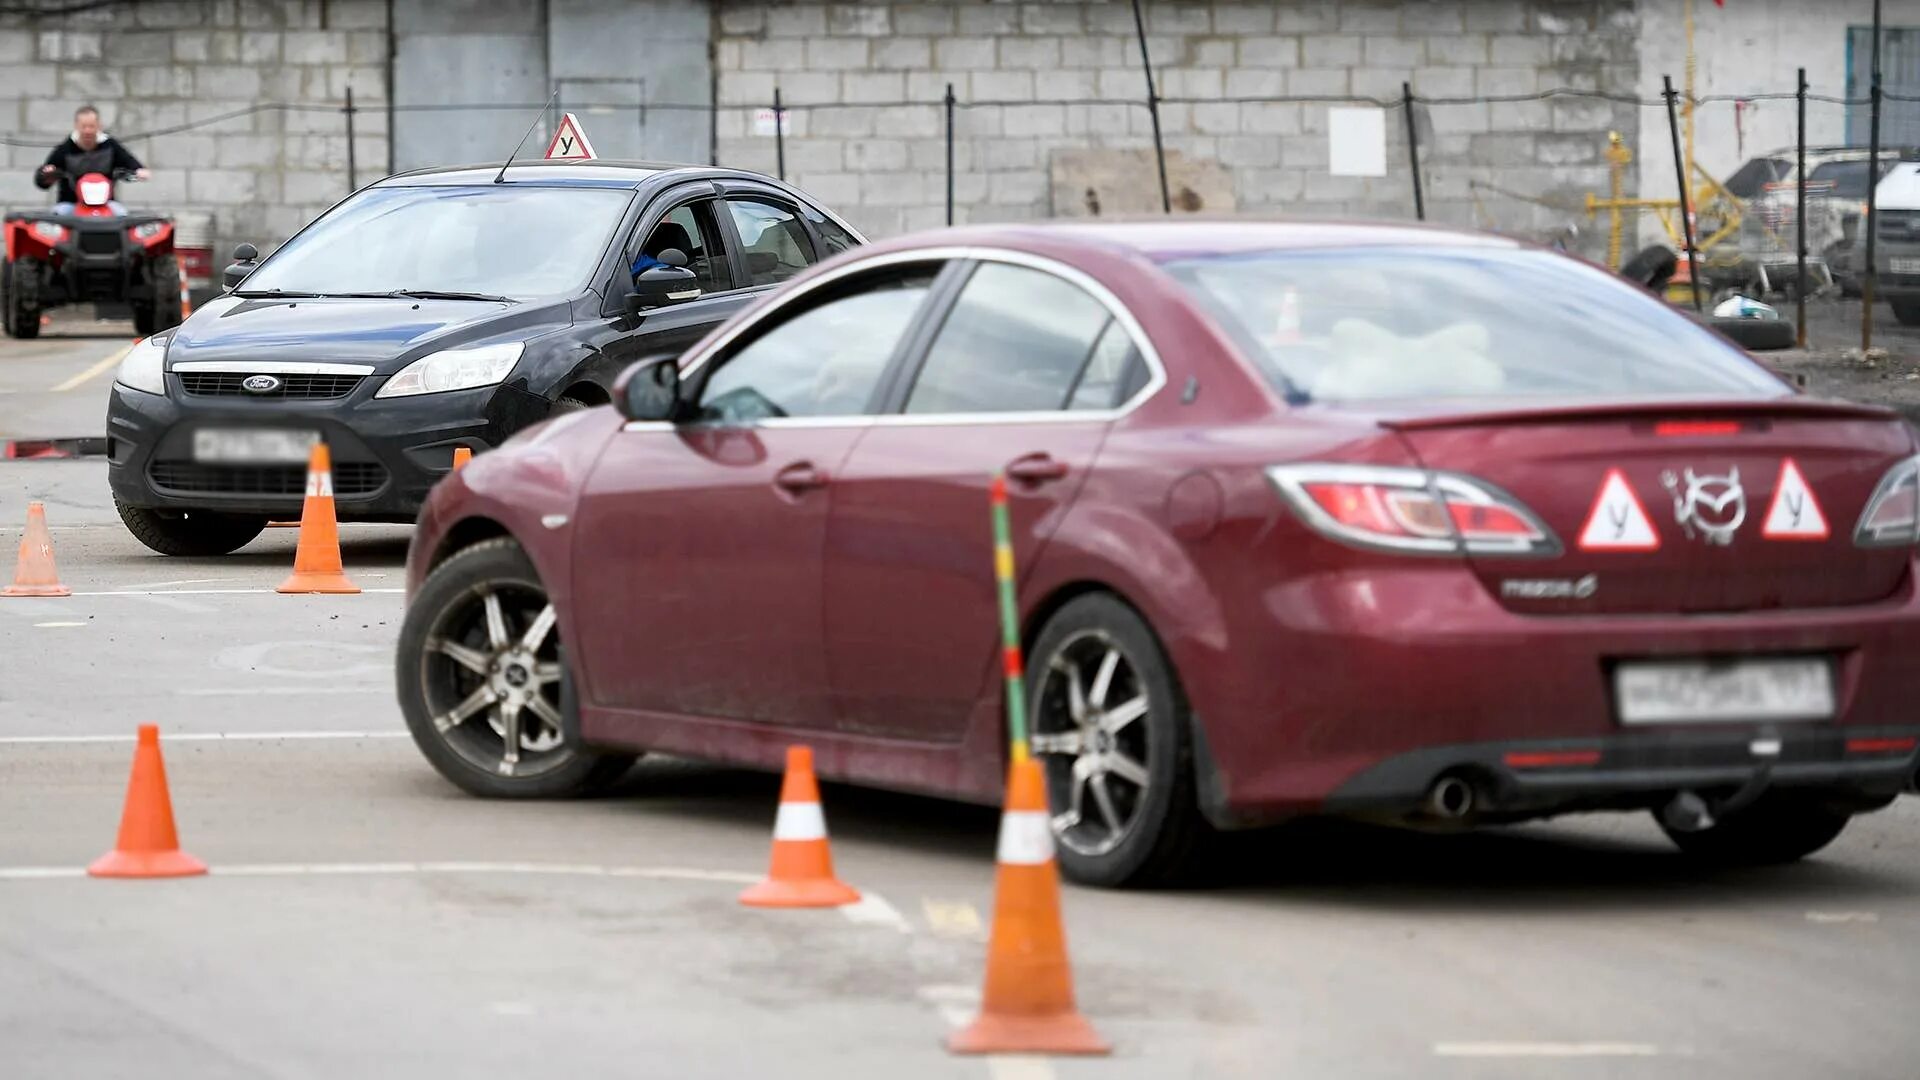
(1905,266)
(1693,691)
(253,446)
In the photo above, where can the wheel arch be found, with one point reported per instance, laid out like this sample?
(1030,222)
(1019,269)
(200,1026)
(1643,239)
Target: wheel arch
(464,534)
(588,391)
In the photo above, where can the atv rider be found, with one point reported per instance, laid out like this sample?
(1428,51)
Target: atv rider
(87,150)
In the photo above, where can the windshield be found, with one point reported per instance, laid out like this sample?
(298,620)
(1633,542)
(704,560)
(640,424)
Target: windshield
(1849,178)
(513,240)
(1398,323)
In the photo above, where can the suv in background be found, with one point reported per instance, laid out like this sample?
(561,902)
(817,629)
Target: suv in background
(1897,251)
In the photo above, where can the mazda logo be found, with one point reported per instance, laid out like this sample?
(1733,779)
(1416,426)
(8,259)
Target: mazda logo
(260,384)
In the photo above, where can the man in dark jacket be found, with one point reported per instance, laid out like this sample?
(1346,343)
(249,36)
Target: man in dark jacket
(87,150)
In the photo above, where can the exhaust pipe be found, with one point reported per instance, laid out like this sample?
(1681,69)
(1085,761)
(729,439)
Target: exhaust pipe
(1450,799)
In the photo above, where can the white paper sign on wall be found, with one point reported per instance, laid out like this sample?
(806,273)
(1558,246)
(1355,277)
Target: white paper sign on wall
(763,122)
(1356,141)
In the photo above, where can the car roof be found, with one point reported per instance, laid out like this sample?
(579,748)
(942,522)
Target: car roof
(597,172)
(1159,239)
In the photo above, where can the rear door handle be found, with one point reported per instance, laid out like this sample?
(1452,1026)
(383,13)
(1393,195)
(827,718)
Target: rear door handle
(1037,469)
(799,477)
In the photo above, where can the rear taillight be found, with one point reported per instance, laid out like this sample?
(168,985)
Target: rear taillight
(1892,517)
(1412,510)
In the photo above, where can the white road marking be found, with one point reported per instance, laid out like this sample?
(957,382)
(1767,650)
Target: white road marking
(201,736)
(107,362)
(182,581)
(376,869)
(205,592)
(1842,917)
(872,909)
(957,1005)
(1544,1049)
(952,918)
(55,625)
(174,603)
(278,691)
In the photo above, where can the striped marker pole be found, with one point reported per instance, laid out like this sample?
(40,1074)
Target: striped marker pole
(1009,622)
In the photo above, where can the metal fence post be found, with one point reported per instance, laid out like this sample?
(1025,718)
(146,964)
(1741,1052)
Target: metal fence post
(1413,152)
(1872,276)
(353,179)
(1153,110)
(949,153)
(1686,197)
(1800,214)
(779,137)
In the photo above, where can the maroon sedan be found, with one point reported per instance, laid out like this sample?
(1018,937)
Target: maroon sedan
(1310,519)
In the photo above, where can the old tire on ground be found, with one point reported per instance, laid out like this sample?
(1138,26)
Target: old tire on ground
(479,660)
(1907,311)
(190,532)
(1111,727)
(1757,335)
(23,298)
(1779,828)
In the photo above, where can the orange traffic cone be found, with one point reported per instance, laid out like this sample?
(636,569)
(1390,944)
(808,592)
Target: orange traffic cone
(316,563)
(36,575)
(461,455)
(1027,1006)
(148,845)
(801,873)
(1286,330)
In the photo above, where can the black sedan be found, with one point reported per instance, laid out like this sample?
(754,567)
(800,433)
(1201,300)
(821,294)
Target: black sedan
(430,311)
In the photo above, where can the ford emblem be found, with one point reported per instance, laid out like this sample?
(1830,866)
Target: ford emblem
(260,384)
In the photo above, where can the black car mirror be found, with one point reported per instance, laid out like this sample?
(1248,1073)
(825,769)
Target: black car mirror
(650,389)
(244,257)
(659,286)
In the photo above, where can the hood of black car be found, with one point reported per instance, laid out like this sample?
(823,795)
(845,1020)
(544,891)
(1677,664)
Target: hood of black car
(388,334)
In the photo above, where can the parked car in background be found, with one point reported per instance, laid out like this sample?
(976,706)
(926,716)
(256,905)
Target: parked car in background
(1837,185)
(1897,243)
(434,310)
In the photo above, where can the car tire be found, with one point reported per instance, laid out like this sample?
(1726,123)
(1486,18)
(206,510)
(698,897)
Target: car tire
(23,298)
(191,533)
(1757,335)
(449,612)
(1907,311)
(567,405)
(165,313)
(1776,829)
(1164,832)
(143,322)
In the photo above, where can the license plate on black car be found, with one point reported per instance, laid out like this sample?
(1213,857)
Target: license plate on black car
(253,446)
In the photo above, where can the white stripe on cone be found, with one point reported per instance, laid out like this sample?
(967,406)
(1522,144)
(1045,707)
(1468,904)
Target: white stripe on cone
(800,821)
(1026,838)
(320,483)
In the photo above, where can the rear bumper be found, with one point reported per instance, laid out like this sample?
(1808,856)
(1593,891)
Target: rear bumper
(387,453)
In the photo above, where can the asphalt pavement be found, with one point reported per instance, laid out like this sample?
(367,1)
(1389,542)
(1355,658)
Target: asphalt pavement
(366,919)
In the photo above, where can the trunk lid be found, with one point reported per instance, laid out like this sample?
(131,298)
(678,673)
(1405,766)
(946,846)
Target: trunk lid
(1671,507)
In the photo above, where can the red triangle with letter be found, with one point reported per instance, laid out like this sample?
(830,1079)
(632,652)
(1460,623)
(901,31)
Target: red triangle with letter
(570,141)
(1617,521)
(1795,514)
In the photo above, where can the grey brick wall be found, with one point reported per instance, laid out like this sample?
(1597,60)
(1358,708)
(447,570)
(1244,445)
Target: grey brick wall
(884,166)
(157,64)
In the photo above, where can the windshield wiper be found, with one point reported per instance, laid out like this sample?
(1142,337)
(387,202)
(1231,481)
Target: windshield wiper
(443,294)
(274,294)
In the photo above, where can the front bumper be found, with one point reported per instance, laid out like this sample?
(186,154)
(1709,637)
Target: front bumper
(387,453)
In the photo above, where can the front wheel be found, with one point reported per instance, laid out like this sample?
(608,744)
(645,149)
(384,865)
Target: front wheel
(1110,725)
(1778,828)
(189,532)
(23,298)
(484,686)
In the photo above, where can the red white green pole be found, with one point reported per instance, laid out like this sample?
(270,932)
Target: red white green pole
(1009,622)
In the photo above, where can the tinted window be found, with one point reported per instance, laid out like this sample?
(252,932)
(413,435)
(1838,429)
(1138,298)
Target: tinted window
(508,239)
(689,229)
(1422,323)
(1849,179)
(774,241)
(1113,374)
(1015,341)
(824,361)
(835,238)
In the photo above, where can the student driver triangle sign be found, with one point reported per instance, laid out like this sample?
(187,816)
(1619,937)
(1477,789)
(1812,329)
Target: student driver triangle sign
(1617,521)
(570,141)
(1794,515)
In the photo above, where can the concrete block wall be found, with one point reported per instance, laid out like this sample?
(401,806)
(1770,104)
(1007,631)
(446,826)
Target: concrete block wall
(1016,67)
(158,64)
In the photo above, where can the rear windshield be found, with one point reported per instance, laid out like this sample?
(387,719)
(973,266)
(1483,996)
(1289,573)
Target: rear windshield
(1748,179)
(514,240)
(1381,323)
(1849,178)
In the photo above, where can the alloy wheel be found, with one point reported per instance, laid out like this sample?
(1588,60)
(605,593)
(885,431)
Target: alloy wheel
(491,671)
(1088,731)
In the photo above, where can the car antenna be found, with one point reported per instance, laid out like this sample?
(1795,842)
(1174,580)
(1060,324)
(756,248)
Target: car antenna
(501,178)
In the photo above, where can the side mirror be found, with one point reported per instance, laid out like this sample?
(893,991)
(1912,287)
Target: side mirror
(649,390)
(659,286)
(244,257)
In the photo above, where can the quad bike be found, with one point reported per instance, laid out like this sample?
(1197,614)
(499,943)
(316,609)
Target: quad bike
(96,252)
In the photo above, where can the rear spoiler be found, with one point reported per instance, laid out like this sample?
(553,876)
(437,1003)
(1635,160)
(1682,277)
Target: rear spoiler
(1786,408)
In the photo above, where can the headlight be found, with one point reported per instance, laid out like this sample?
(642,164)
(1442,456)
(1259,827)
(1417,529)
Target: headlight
(48,231)
(146,230)
(454,369)
(145,366)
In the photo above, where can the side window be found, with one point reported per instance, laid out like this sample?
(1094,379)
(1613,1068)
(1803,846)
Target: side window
(826,360)
(1114,373)
(772,239)
(1015,341)
(690,229)
(832,236)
